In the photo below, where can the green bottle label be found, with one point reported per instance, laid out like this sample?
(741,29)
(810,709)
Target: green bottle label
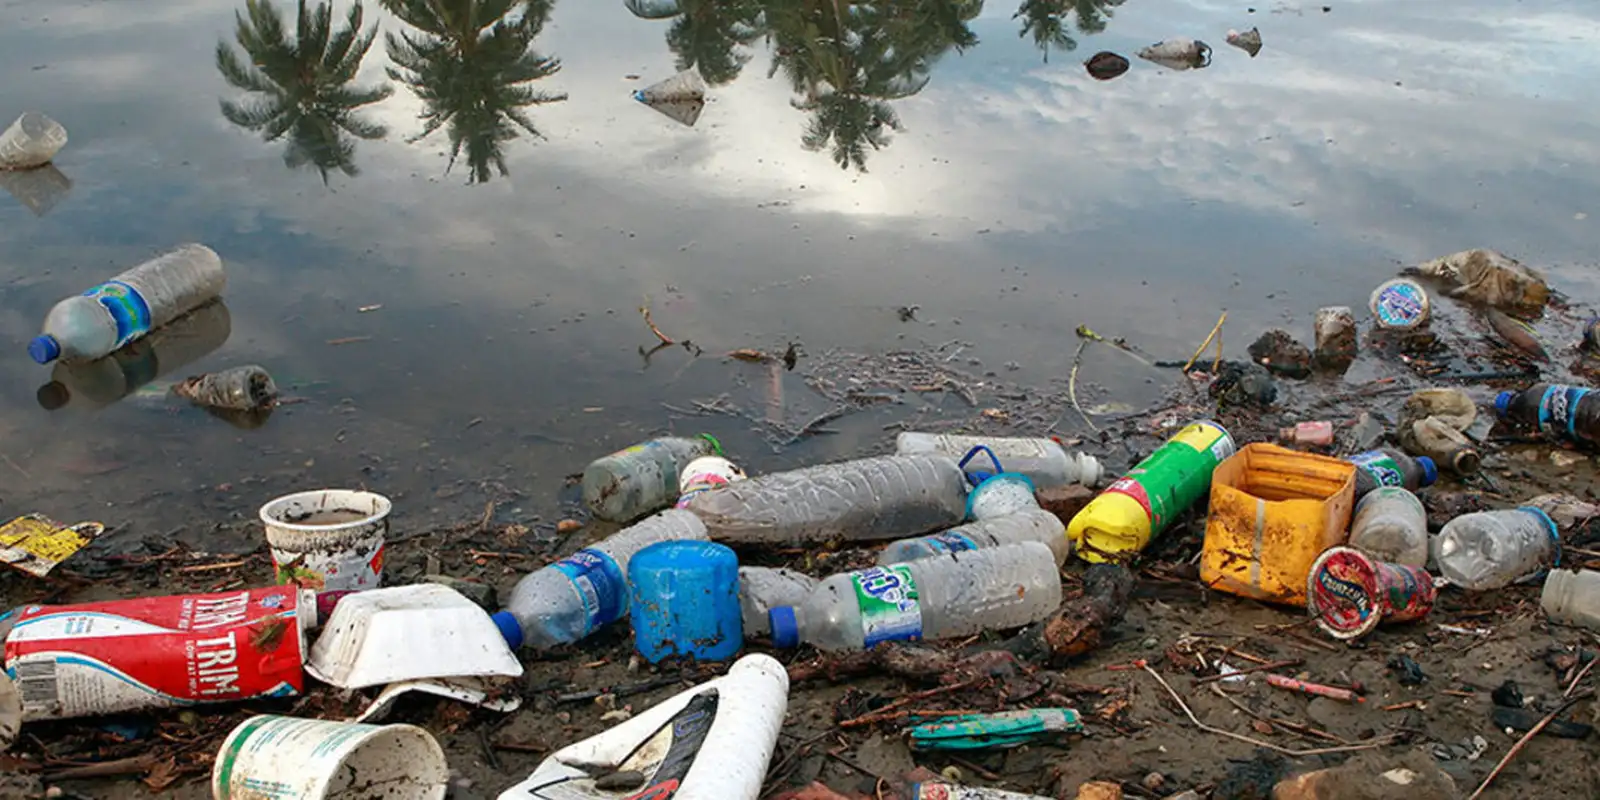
(887,597)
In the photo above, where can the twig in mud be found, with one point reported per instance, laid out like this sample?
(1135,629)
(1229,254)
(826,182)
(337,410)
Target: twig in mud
(1295,662)
(1207,343)
(1579,677)
(887,712)
(1072,386)
(1372,745)
(104,769)
(14,466)
(1523,742)
(645,310)
(1304,730)
(814,425)
(212,567)
(349,340)
(477,554)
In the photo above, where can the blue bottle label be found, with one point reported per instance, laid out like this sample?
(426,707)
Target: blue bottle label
(890,610)
(951,542)
(1558,410)
(1385,471)
(599,582)
(126,307)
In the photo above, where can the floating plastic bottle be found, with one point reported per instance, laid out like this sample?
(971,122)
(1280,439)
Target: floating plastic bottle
(1391,525)
(871,498)
(1572,597)
(31,141)
(1389,467)
(762,589)
(1045,462)
(1564,412)
(1139,506)
(97,322)
(89,385)
(681,97)
(248,388)
(1178,53)
(1491,549)
(959,594)
(630,483)
(587,590)
(1028,525)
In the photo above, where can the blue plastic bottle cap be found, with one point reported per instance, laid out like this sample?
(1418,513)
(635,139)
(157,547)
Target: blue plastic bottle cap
(508,628)
(785,628)
(1502,402)
(639,95)
(44,348)
(1430,470)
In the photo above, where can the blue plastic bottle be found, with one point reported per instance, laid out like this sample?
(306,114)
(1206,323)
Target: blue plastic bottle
(686,601)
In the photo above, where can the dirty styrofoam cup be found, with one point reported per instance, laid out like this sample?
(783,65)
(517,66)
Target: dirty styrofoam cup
(31,141)
(313,759)
(329,540)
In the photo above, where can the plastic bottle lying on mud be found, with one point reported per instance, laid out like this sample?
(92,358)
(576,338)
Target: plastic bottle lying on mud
(1491,549)
(248,388)
(1387,466)
(1045,462)
(762,589)
(1027,525)
(1572,597)
(1566,412)
(587,590)
(1391,525)
(870,498)
(1434,438)
(643,478)
(959,594)
(108,316)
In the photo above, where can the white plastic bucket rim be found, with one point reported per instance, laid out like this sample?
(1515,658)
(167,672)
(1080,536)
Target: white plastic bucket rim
(312,759)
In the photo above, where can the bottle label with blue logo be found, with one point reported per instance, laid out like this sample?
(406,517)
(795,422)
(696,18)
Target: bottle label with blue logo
(890,610)
(1558,410)
(951,542)
(127,308)
(599,582)
(1385,471)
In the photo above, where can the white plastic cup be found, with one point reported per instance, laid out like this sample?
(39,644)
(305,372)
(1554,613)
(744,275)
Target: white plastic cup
(31,141)
(330,540)
(313,759)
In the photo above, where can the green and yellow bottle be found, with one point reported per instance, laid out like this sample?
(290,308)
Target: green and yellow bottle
(1144,502)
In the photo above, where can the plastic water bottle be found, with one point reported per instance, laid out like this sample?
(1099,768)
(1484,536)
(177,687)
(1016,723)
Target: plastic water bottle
(1567,412)
(116,312)
(1045,462)
(1391,525)
(96,384)
(1491,549)
(1572,597)
(959,594)
(762,589)
(587,590)
(1028,525)
(630,483)
(1389,467)
(870,498)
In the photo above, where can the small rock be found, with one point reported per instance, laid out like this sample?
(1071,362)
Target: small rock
(1508,695)
(1154,781)
(481,593)
(1100,790)
(1279,352)
(568,526)
(1150,643)
(1064,501)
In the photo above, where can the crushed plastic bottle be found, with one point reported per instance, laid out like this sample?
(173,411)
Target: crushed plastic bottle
(1556,410)
(1491,549)
(631,483)
(587,590)
(762,589)
(1434,438)
(32,141)
(1178,53)
(1490,278)
(1248,41)
(1044,461)
(681,97)
(958,594)
(1572,597)
(90,385)
(1391,525)
(871,498)
(1389,467)
(1335,338)
(1027,525)
(1317,434)
(94,324)
(248,388)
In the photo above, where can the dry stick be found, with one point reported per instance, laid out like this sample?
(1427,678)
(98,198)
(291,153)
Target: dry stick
(103,769)
(212,567)
(14,466)
(1072,386)
(1579,677)
(1293,727)
(887,712)
(1523,742)
(1317,751)
(1294,662)
(645,310)
(1206,343)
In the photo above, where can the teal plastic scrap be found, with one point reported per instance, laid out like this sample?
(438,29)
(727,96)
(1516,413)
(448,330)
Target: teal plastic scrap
(994,731)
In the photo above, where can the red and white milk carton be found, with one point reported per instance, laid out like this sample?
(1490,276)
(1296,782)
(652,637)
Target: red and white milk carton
(156,652)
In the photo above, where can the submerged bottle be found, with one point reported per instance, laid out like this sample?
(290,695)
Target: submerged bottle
(1139,506)
(1387,466)
(1391,525)
(870,498)
(643,478)
(579,594)
(1572,597)
(1027,525)
(1491,549)
(248,388)
(1045,462)
(1567,412)
(97,322)
(91,385)
(958,594)
(762,589)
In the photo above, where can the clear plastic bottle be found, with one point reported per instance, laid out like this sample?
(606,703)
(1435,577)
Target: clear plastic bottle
(579,594)
(870,498)
(762,589)
(247,388)
(1572,597)
(1387,466)
(1045,463)
(958,594)
(1391,525)
(97,322)
(1436,439)
(1491,549)
(630,483)
(1027,525)
(90,385)
(1567,412)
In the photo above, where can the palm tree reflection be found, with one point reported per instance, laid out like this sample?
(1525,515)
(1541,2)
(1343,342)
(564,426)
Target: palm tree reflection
(1047,21)
(711,35)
